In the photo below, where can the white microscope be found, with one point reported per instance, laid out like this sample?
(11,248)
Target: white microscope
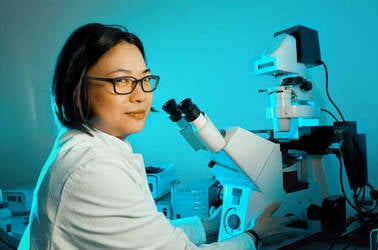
(256,171)
(294,50)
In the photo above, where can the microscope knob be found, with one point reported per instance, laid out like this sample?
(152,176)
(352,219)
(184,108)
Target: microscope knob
(233,221)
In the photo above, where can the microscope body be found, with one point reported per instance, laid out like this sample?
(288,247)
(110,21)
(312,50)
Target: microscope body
(251,171)
(242,167)
(289,166)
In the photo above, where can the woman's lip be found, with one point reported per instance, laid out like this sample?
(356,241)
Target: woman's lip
(139,114)
(136,112)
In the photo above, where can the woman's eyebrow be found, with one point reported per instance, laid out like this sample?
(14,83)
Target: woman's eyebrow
(127,71)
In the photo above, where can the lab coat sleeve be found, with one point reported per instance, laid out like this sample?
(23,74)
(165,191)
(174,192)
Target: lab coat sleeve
(107,205)
(104,206)
(241,241)
(193,228)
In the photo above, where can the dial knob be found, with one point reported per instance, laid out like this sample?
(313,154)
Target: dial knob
(233,221)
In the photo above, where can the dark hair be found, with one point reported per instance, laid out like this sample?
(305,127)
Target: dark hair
(83,49)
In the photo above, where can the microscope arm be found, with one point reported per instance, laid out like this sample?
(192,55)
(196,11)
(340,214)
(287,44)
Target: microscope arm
(245,164)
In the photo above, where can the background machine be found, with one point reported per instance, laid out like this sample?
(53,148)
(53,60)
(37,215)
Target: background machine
(286,164)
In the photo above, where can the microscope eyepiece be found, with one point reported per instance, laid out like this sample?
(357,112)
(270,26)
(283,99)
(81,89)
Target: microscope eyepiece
(171,108)
(190,110)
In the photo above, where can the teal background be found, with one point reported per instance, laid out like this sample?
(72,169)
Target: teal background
(201,49)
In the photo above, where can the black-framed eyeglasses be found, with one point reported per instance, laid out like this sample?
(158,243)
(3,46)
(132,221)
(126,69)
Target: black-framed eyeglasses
(124,85)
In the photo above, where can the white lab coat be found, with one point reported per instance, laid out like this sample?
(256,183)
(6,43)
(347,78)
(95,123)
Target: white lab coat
(92,193)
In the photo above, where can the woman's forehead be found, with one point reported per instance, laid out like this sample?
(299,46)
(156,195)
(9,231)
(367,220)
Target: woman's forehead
(124,57)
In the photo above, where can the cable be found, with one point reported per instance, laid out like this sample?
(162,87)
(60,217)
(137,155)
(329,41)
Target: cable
(329,112)
(360,204)
(327,91)
(342,185)
(354,206)
(364,215)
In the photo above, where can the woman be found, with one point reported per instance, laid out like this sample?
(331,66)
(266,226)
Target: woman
(92,192)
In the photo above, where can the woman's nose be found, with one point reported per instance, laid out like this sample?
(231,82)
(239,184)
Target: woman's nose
(138,94)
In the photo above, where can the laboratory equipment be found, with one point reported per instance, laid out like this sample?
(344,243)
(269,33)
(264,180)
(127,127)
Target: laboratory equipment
(19,199)
(164,206)
(160,179)
(5,215)
(190,199)
(295,114)
(287,165)
(293,51)
(250,169)
(186,129)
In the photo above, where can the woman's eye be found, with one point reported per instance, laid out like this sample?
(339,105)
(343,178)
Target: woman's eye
(124,80)
(147,79)
(120,80)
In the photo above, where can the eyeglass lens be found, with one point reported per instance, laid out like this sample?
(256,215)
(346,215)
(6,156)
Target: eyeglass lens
(127,84)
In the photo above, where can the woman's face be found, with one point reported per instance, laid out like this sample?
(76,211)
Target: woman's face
(118,115)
